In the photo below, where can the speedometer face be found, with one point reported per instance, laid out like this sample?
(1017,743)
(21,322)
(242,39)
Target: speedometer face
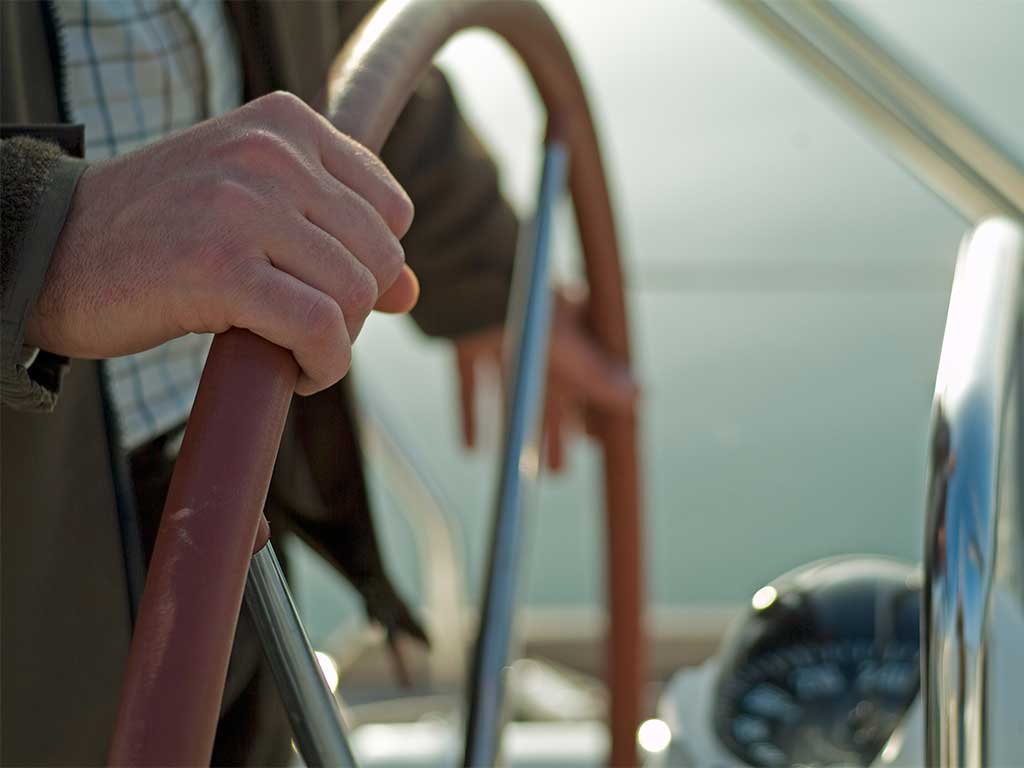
(822,667)
(817,704)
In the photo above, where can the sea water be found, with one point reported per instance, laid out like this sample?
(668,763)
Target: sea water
(788,288)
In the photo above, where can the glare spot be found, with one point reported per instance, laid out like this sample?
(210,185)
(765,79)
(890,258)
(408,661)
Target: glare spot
(893,747)
(529,461)
(764,597)
(654,735)
(330,669)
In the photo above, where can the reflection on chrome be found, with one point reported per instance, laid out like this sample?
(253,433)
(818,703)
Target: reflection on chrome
(330,669)
(764,597)
(973,500)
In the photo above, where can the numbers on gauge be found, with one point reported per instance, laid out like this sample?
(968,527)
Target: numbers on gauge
(821,704)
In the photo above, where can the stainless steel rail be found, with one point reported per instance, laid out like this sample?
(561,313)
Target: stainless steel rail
(912,98)
(312,709)
(921,131)
(973,545)
(529,310)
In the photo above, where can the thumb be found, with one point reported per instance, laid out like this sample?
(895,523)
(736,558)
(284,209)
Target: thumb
(402,295)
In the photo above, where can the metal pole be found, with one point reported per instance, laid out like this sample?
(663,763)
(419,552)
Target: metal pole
(939,165)
(974,500)
(312,709)
(908,95)
(529,315)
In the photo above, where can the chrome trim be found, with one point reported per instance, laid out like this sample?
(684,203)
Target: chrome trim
(316,721)
(973,495)
(916,127)
(949,126)
(526,348)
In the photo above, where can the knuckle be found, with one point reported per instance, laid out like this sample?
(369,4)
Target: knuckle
(324,321)
(330,348)
(397,210)
(289,112)
(282,104)
(343,355)
(390,260)
(259,149)
(229,196)
(362,295)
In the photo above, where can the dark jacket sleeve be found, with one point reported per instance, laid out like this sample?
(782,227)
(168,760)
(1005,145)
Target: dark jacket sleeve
(38,182)
(463,240)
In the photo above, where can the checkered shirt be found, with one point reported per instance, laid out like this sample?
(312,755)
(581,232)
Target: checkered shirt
(137,71)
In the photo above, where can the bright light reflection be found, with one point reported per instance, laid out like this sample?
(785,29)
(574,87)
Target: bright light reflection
(529,461)
(764,597)
(330,669)
(654,735)
(893,746)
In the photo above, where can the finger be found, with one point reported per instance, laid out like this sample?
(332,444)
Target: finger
(343,157)
(595,378)
(361,171)
(467,396)
(355,223)
(553,437)
(571,417)
(402,295)
(312,255)
(288,312)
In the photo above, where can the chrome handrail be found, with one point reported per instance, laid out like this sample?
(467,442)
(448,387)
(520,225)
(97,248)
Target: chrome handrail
(922,132)
(973,494)
(526,351)
(308,701)
(986,158)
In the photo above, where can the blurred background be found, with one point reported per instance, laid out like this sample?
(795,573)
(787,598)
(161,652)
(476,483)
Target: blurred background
(788,286)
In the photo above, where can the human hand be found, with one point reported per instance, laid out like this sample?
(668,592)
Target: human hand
(581,378)
(266,218)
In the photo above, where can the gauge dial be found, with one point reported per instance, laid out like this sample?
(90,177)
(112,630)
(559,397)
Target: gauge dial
(822,667)
(818,704)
